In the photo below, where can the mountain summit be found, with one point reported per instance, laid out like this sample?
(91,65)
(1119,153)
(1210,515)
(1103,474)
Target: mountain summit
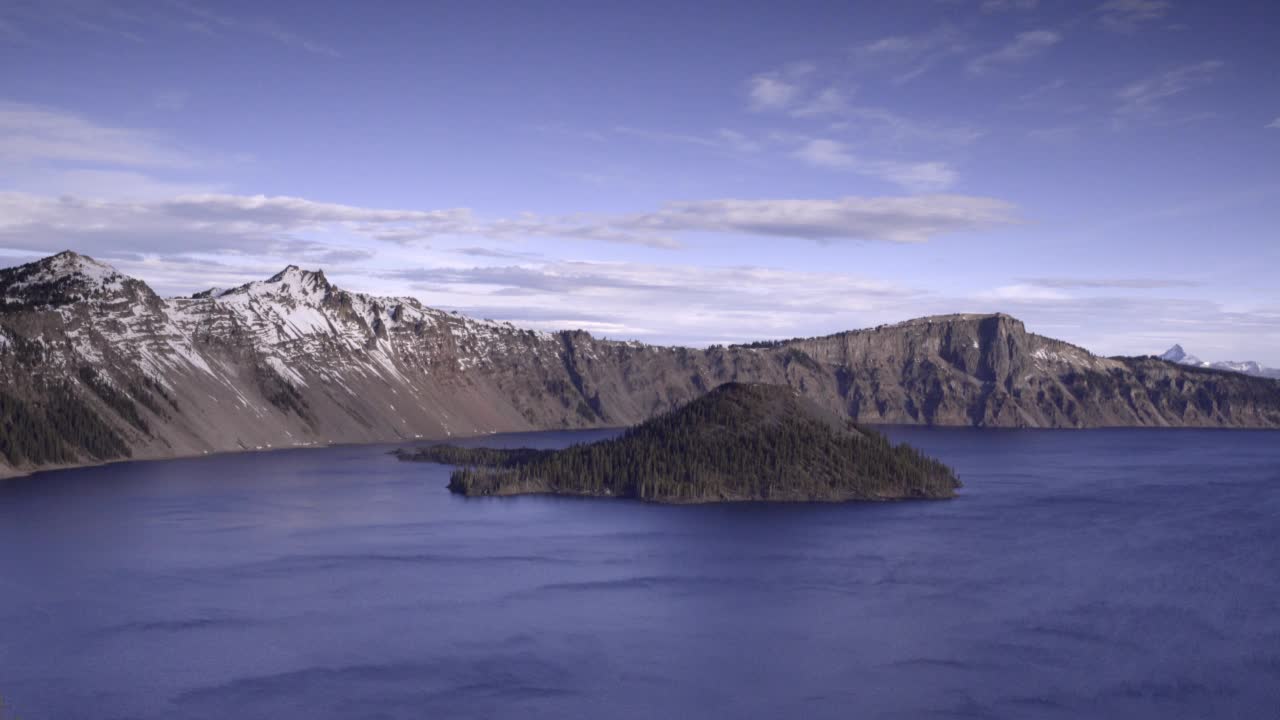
(95,366)
(1178,355)
(61,279)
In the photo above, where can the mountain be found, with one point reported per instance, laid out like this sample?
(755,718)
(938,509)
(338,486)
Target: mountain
(1178,355)
(95,366)
(1249,367)
(739,442)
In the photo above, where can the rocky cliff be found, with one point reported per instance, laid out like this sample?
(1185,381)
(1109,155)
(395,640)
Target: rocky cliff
(95,366)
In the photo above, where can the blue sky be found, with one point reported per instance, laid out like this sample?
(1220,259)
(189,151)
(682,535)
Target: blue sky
(672,172)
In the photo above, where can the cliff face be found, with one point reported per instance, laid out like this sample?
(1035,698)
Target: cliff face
(95,366)
(988,371)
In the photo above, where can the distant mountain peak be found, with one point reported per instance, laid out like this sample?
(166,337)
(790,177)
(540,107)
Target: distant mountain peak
(309,279)
(1177,355)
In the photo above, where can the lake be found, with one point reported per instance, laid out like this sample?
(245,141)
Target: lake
(1099,574)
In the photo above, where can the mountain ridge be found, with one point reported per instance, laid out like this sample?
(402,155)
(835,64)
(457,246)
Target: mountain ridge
(1248,367)
(296,361)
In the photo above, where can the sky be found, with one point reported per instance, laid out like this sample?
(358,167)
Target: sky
(1107,171)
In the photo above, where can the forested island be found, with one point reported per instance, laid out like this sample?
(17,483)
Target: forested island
(739,442)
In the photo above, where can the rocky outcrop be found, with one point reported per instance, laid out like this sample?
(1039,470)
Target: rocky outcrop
(95,366)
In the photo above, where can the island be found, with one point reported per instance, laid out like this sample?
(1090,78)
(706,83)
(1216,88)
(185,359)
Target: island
(738,443)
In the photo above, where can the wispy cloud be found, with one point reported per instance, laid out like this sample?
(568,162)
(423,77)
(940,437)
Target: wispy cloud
(907,57)
(31,133)
(682,303)
(828,101)
(1129,15)
(805,92)
(897,128)
(1024,46)
(200,18)
(24,21)
(885,219)
(237,223)
(138,22)
(101,183)
(1274,124)
(918,177)
(722,139)
(1149,95)
(701,305)
(778,89)
(821,152)
(484,252)
(1131,283)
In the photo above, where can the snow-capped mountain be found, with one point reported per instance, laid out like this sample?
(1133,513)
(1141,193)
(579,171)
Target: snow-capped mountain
(95,366)
(1248,367)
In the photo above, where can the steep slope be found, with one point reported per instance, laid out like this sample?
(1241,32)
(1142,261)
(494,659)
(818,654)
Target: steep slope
(739,442)
(95,366)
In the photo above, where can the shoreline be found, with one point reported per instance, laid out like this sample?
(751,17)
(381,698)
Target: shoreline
(9,473)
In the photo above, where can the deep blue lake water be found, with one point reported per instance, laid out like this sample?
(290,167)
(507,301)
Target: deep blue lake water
(1098,574)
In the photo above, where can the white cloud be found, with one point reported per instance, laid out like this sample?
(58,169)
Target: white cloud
(1147,96)
(821,152)
(887,219)
(769,92)
(914,176)
(237,223)
(778,89)
(292,213)
(669,303)
(829,101)
(701,305)
(1024,46)
(1129,15)
(1130,283)
(1023,292)
(1274,124)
